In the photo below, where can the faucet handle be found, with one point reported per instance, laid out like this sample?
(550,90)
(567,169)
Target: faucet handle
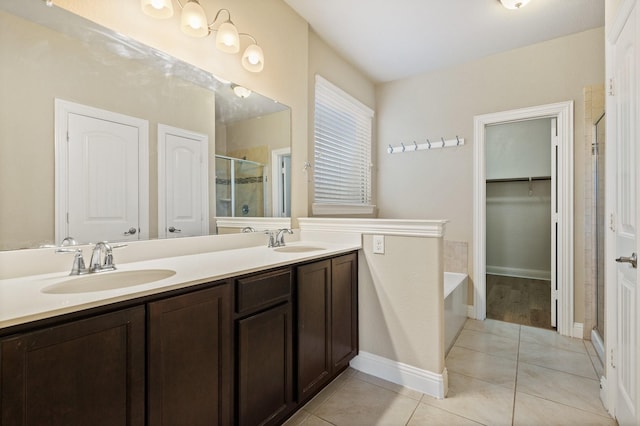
(78,267)
(272,239)
(108,256)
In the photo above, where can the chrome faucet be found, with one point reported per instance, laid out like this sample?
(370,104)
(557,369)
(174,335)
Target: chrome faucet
(96,265)
(280,236)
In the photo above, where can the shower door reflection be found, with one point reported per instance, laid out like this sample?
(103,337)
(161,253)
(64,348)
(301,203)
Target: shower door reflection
(240,187)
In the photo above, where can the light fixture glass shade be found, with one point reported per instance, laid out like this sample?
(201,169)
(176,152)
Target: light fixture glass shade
(227,38)
(159,9)
(253,58)
(514,4)
(194,21)
(240,91)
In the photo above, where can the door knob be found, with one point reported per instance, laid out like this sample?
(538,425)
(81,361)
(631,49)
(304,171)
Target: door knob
(131,231)
(173,229)
(633,260)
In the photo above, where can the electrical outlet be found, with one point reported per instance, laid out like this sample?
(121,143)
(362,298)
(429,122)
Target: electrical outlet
(378,244)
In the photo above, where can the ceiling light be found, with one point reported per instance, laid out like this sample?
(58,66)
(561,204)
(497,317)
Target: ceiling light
(240,91)
(514,4)
(160,9)
(193,22)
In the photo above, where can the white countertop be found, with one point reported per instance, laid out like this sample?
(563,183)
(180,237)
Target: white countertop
(22,299)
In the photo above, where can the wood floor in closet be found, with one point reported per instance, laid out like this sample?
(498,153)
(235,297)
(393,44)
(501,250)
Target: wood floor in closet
(519,300)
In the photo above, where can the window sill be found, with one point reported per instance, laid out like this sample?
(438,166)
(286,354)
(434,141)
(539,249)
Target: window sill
(346,209)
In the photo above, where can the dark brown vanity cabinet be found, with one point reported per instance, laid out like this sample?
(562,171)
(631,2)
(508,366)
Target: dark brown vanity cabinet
(264,348)
(190,358)
(327,321)
(220,354)
(87,372)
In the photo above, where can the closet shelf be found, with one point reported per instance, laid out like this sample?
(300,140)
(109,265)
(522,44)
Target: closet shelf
(520,179)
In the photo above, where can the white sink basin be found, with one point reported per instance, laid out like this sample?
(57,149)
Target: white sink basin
(108,281)
(297,249)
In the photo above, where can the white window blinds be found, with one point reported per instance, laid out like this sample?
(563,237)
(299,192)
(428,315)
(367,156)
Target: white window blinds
(342,150)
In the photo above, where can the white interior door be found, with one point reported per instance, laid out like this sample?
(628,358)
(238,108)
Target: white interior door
(183,183)
(625,360)
(281,182)
(102,180)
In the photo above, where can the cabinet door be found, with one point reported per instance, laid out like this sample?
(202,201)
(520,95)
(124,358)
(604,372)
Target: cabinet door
(190,358)
(314,333)
(87,372)
(265,367)
(344,310)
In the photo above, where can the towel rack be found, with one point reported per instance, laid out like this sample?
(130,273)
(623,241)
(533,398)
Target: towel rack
(412,147)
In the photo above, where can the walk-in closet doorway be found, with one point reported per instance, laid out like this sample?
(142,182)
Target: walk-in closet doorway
(519,209)
(523,215)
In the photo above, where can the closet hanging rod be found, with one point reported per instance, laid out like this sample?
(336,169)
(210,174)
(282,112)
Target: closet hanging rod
(414,146)
(520,179)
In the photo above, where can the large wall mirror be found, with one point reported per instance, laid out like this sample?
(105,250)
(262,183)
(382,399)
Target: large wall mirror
(53,63)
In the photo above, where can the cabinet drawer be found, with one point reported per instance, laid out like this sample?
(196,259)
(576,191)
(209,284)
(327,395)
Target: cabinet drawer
(261,291)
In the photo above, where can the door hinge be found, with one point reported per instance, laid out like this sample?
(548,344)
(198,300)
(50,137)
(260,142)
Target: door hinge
(67,218)
(613,365)
(612,222)
(67,136)
(554,217)
(554,294)
(610,90)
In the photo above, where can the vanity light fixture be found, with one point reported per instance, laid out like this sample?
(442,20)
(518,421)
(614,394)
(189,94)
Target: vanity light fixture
(241,91)
(514,4)
(193,22)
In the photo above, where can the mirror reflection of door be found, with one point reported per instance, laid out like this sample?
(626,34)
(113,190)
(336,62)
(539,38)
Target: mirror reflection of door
(183,201)
(98,170)
(281,182)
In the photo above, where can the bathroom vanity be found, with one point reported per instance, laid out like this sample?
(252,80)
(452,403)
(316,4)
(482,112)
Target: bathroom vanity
(237,348)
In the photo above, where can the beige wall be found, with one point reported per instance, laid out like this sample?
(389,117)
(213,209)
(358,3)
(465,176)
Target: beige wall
(438,184)
(272,130)
(45,65)
(323,60)
(401,301)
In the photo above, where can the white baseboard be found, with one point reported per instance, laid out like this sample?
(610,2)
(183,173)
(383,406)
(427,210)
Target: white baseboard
(427,382)
(471,311)
(598,345)
(534,274)
(578,330)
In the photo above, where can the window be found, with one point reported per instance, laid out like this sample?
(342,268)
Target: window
(342,152)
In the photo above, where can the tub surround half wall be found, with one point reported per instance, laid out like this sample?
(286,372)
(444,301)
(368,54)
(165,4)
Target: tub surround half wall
(401,298)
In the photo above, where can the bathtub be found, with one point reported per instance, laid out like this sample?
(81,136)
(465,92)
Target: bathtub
(455,306)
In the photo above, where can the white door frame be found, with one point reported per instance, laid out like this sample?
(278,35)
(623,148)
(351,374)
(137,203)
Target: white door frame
(563,112)
(276,154)
(163,130)
(62,110)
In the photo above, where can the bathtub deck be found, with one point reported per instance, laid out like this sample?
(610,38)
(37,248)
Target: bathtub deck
(519,300)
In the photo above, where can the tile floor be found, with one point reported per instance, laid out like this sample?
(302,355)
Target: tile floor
(499,374)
